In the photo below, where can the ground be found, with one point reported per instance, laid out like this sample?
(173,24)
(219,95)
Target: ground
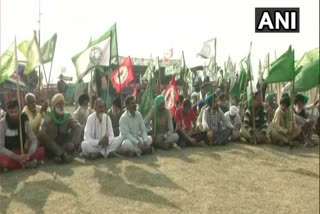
(230,179)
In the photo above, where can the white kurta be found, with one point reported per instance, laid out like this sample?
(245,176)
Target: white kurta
(94,131)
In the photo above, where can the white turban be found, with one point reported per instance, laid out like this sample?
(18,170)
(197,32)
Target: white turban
(194,94)
(233,110)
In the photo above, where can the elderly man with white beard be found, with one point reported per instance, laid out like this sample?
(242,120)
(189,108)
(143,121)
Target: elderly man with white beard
(60,133)
(98,134)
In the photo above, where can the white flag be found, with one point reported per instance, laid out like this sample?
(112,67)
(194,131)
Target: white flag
(98,53)
(208,49)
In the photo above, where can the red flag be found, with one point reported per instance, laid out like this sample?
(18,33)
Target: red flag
(121,79)
(168,55)
(171,95)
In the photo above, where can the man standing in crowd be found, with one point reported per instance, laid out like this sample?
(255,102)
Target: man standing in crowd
(60,133)
(62,86)
(10,136)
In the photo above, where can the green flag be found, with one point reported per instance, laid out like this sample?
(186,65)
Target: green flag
(103,51)
(176,69)
(241,83)
(229,69)
(170,70)
(282,69)
(149,73)
(157,65)
(31,50)
(48,49)
(147,98)
(265,68)
(8,63)
(308,77)
(181,68)
(308,57)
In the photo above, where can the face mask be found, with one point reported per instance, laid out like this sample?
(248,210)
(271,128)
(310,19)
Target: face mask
(59,111)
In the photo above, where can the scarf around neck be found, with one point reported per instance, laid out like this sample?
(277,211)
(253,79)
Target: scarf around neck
(60,121)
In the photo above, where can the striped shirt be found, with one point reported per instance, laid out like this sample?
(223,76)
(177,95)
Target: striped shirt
(260,120)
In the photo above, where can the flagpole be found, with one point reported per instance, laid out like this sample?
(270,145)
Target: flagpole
(269,71)
(49,79)
(261,80)
(105,148)
(251,90)
(19,100)
(292,107)
(215,69)
(118,64)
(108,88)
(245,91)
(158,63)
(39,44)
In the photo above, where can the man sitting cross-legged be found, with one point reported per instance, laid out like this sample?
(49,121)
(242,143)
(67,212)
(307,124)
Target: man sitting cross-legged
(133,134)
(34,112)
(233,116)
(98,133)
(185,126)
(281,127)
(60,133)
(10,136)
(303,120)
(162,125)
(212,121)
(248,133)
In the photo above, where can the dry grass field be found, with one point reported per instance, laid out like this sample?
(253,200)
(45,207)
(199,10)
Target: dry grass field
(231,179)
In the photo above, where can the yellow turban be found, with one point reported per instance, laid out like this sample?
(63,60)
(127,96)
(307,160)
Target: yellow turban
(56,99)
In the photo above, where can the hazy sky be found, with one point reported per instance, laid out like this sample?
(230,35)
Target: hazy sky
(148,27)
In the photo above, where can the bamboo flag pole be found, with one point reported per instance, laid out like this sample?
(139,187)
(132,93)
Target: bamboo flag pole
(261,79)
(251,90)
(18,98)
(157,61)
(292,108)
(215,70)
(49,78)
(118,63)
(107,122)
(268,69)
(244,92)
(39,21)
